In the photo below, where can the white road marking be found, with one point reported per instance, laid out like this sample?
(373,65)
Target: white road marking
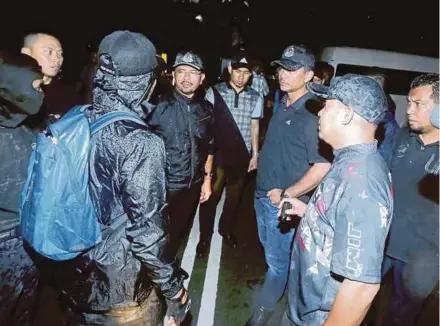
(209,294)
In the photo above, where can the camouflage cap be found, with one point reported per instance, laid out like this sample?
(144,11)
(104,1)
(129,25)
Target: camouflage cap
(362,94)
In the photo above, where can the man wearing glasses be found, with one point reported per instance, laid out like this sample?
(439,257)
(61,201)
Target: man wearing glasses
(184,119)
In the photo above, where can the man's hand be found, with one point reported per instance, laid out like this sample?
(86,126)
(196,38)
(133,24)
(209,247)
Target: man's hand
(206,190)
(298,207)
(178,308)
(253,163)
(274,196)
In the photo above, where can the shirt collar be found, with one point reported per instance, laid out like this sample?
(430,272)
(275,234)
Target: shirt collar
(245,89)
(420,141)
(299,102)
(354,150)
(183,99)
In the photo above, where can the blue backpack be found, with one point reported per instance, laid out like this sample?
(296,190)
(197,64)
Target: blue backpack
(58,218)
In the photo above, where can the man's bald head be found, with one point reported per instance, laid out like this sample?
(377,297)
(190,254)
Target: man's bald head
(47,50)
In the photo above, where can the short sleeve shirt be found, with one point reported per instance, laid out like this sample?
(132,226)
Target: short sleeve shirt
(291,145)
(342,234)
(415,170)
(244,106)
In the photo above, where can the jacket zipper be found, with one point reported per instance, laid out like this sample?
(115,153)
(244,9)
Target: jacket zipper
(192,146)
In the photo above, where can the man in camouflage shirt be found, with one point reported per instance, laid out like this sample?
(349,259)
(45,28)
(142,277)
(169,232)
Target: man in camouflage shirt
(336,262)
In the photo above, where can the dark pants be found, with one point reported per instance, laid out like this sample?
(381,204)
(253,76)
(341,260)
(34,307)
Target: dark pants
(18,283)
(235,181)
(182,206)
(412,284)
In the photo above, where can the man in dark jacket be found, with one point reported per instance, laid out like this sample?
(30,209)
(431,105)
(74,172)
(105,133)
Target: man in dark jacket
(113,283)
(20,96)
(59,97)
(185,119)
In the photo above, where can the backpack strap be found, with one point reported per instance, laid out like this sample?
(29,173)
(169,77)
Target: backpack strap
(111,117)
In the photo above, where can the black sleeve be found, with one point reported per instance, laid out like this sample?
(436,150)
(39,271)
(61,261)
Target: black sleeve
(144,200)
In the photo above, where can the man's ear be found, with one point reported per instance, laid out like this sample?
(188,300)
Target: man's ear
(348,115)
(26,51)
(230,69)
(202,78)
(309,76)
(173,81)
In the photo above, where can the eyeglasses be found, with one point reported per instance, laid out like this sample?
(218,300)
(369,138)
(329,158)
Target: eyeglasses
(191,73)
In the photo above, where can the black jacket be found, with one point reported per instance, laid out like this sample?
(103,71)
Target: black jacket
(18,100)
(186,126)
(127,184)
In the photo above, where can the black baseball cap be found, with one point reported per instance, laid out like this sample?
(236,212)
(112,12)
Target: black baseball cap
(132,54)
(295,57)
(238,62)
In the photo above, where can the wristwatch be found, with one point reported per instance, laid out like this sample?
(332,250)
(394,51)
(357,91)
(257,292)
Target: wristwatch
(209,174)
(284,194)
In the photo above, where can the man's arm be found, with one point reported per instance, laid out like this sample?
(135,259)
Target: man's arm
(319,164)
(362,224)
(142,182)
(352,303)
(265,86)
(206,190)
(255,134)
(257,114)
(309,181)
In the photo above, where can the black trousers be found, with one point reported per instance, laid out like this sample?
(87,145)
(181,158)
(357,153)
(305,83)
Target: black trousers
(18,282)
(234,179)
(182,206)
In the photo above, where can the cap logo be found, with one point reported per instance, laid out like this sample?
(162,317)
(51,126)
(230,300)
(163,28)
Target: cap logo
(106,64)
(290,51)
(188,57)
(243,60)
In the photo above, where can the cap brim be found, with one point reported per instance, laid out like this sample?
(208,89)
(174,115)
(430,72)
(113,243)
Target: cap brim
(188,64)
(319,90)
(239,65)
(285,64)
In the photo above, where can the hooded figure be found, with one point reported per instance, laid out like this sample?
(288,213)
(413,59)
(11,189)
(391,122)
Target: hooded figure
(113,282)
(20,96)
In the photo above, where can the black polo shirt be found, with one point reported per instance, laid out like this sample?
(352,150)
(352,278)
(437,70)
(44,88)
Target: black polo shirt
(415,227)
(291,145)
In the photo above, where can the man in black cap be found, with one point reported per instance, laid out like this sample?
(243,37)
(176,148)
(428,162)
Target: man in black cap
(335,270)
(113,282)
(20,96)
(238,110)
(290,165)
(185,121)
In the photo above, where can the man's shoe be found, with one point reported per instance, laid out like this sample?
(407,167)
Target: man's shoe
(230,239)
(259,317)
(202,249)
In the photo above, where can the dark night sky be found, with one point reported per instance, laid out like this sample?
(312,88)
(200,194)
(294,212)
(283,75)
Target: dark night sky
(387,24)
